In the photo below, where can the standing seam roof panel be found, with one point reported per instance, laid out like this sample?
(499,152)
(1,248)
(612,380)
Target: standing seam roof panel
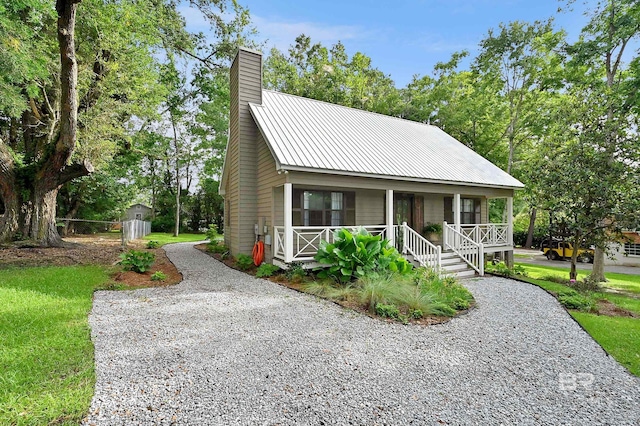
(312,134)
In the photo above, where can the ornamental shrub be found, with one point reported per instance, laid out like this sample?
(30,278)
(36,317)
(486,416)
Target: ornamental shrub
(153,244)
(266,270)
(244,262)
(158,276)
(353,256)
(217,247)
(137,261)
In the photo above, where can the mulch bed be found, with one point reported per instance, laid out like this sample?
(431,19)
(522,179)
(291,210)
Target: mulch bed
(88,250)
(607,308)
(162,263)
(298,286)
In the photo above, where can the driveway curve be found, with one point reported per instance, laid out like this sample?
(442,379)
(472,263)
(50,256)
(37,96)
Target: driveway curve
(224,348)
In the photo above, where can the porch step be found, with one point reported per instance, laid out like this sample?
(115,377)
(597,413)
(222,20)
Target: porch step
(451,265)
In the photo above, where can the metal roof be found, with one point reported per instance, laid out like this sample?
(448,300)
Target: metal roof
(305,134)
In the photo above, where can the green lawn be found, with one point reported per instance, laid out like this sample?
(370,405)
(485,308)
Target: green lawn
(619,336)
(168,238)
(46,355)
(626,282)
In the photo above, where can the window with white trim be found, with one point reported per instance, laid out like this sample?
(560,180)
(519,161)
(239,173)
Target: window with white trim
(632,249)
(323,208)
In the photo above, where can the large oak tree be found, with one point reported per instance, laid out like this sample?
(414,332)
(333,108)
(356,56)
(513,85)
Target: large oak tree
(78,81)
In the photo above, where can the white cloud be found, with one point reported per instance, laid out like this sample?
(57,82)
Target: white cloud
(281,34)
(435,43)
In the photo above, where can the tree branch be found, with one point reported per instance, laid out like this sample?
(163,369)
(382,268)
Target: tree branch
(74,171)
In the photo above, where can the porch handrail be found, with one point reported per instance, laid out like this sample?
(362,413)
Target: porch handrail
(423,251)
(470,251)
(489,234)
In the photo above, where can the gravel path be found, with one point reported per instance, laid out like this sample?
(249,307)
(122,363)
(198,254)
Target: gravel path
(223,348)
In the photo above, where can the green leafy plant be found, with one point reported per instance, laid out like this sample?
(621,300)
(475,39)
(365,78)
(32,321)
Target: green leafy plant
(266,270)
(296,272)
(387,311)
(212,232)
(502,269)
(416,314)
(353,256)
(432,228)
(576,301)
(158,276)
(153,244)
(244,262)
(137,261)
(217,247)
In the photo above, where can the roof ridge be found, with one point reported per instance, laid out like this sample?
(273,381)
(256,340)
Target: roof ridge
(352,108)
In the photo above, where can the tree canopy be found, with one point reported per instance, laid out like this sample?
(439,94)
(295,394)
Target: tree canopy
(122,90)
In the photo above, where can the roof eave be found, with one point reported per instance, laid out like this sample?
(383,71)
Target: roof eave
(398,178)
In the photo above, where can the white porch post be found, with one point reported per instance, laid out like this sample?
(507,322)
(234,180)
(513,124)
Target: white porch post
(456,211)
(288,223)
(389,218)
(509,253)
(510,220)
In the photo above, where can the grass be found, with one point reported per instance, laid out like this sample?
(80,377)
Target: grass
(168,238)
(625,282)
(46,355)
(619,336)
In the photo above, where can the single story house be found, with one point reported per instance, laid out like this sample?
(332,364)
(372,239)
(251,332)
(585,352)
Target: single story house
(138,212)
(296,169)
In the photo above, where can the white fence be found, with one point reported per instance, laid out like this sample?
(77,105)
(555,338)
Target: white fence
(134,229)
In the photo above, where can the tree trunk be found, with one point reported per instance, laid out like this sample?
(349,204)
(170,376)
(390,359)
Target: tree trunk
(532,225)
(573,273)
(176,232)
(42,221)
(9,220)
(69,227)
(598,265)
(8,195)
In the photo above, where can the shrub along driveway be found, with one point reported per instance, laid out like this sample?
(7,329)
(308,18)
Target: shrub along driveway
(226,348)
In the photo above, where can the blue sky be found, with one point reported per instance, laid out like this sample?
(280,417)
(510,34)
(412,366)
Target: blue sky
(402,37)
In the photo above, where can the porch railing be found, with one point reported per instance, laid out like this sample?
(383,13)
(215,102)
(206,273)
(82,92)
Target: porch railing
(422,250)
(467,249)
(489,234)
(306,239)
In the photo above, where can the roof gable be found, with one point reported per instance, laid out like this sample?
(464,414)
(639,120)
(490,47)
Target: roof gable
(305,134)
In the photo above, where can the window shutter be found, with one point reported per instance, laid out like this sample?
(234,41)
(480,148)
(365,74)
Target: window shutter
(418,213)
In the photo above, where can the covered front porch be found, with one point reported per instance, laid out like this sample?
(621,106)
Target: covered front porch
(296,238)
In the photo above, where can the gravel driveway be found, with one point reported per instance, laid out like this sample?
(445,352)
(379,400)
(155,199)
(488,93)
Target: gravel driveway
(223,348)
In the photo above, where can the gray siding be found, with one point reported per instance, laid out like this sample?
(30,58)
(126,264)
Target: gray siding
(278,206)
(433,208)
(267,179)
(242,155)
(370,207)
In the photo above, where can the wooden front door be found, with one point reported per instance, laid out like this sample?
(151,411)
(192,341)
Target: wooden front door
(403,209)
